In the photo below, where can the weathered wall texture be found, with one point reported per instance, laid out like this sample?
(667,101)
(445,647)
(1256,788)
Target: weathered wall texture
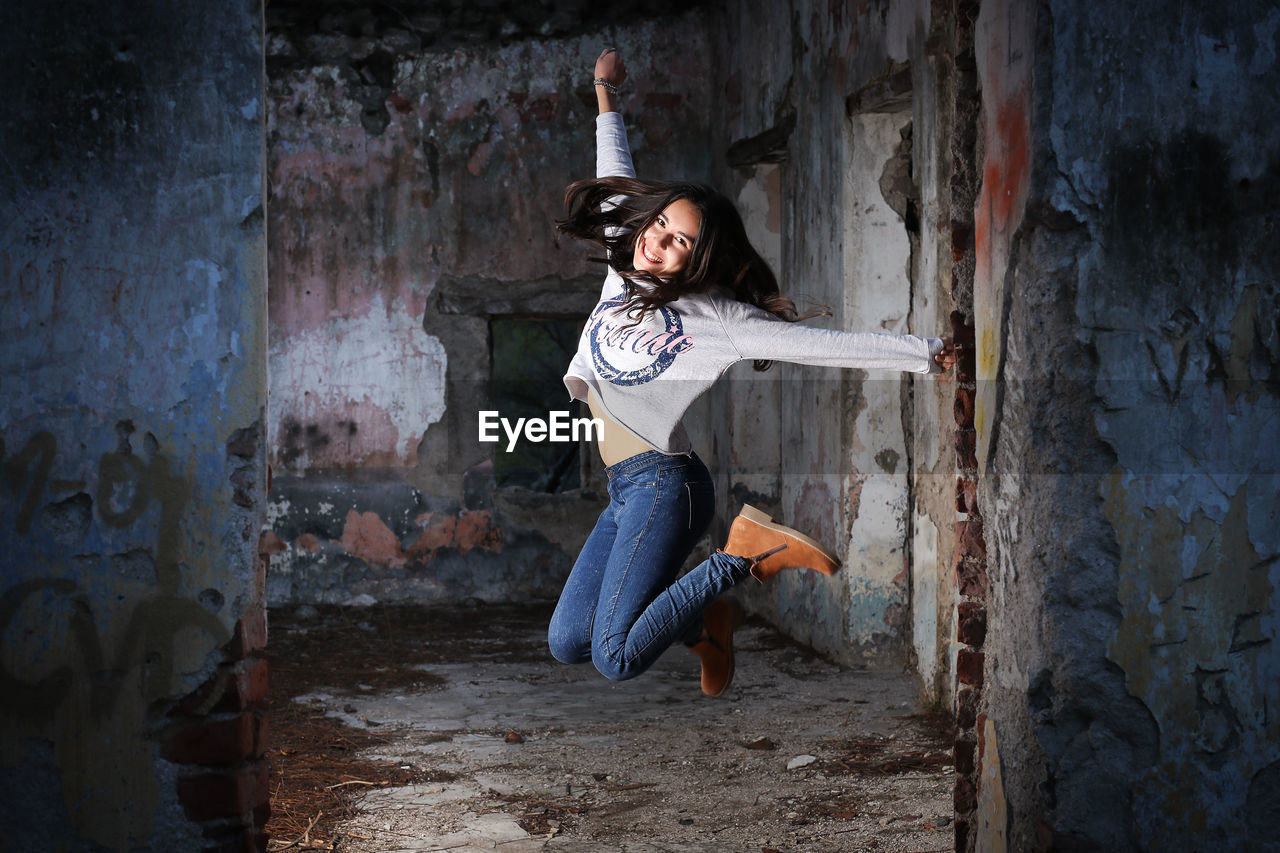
(1128,362)
(414,188)
(133,381)
(858,209)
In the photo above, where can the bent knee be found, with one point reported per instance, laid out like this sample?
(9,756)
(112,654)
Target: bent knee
(568,651)
(612,668)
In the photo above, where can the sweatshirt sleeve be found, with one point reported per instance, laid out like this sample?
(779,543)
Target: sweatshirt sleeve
(613,155)
(756,333)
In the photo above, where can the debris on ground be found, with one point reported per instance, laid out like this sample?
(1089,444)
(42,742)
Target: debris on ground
(414,729)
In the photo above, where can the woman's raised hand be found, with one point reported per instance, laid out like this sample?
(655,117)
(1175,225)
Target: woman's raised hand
(610,67)
(610,71)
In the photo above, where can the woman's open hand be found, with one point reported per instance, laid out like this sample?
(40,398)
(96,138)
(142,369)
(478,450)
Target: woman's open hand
(946,357)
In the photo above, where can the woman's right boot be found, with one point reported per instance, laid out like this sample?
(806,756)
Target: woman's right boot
(715,647)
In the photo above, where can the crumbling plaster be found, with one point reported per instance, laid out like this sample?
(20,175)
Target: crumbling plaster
(1127,341)
(847,442)
(132,317)
(393,245)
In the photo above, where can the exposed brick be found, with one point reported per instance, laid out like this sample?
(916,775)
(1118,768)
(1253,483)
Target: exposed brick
(971,578)
(244,479)
(969,667)
(1044,836)
(226,741)
(966,364)
(224,794)
(961,244)
(270,543)
(966,496)
(233,688)
(970,540)
(200,701)
(251,633)
(964,754)
(248,687)
(964,408)
(966,708)
(971,628)
(967,449)
(962,333)
(244,442)
(966,796)
(962,330)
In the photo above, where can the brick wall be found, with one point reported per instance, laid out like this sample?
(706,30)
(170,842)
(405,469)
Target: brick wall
(971,587)
(218,735)
(970,563)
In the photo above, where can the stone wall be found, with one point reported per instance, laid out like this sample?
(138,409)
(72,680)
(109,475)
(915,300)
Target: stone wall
(385,293)
(838,153)
(415,183)
(132,427)
(1126,414)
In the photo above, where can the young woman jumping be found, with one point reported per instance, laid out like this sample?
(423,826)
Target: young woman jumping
(685,296)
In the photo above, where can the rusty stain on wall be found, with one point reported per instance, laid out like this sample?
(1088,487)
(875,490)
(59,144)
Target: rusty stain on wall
(1005,37)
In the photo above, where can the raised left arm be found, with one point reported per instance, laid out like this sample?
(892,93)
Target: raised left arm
(610,72)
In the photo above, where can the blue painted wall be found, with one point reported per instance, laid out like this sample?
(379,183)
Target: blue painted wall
(132,394)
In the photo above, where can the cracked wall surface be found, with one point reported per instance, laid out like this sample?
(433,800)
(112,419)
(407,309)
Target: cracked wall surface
(415,182)
(133,387)
(828,121)
(1129,424)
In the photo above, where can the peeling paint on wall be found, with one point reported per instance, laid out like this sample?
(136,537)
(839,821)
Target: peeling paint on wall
(1005,39)
(1195,651)
(992,816)
(356,391)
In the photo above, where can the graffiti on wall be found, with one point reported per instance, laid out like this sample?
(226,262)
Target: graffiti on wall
(89,653)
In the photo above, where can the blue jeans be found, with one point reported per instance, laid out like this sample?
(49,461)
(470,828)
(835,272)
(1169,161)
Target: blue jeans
(623,605)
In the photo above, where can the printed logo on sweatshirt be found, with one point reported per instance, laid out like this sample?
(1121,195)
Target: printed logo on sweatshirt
(627,353)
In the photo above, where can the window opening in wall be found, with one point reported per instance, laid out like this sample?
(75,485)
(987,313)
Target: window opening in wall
(529,357)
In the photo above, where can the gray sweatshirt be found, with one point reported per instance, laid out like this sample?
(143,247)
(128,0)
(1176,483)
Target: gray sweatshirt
(646,376)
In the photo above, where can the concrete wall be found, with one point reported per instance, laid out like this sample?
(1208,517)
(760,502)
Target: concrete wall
(854,217)
(414,187)
(1127,417)
(132,427)
(384,288)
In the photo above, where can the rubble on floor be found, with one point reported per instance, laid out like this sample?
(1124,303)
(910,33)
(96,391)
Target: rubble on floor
(411,729)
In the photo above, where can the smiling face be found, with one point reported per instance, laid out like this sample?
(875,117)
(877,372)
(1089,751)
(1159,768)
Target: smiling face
(663,249)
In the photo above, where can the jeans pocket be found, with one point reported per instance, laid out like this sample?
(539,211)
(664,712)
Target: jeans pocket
(701,499)
(643,477)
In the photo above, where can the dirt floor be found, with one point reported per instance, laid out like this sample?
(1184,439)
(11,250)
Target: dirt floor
(411,729)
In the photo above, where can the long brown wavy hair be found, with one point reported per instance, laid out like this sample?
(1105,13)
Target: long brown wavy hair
(614,212)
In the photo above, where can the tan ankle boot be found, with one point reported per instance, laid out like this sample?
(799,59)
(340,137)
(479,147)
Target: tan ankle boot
(715,648)
(772,547)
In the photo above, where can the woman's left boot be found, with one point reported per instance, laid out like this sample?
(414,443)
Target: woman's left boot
(772,547)
(715,647)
